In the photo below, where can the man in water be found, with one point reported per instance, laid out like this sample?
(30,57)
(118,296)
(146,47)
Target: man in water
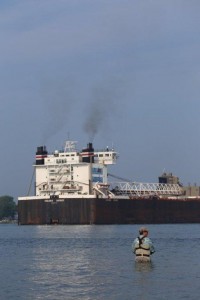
(142,246)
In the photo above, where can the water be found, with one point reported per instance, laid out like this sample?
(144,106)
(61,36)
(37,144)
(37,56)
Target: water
(96,262)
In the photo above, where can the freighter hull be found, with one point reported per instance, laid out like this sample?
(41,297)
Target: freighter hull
(68,211)
(108,211)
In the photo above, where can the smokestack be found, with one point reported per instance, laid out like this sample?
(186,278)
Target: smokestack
(40,155)
(88,154)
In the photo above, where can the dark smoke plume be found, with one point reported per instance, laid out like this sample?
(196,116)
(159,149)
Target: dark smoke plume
(101,110)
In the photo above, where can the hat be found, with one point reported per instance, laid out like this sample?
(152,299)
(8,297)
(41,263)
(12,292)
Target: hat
(143,229)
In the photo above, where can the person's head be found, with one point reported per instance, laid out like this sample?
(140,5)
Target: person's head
(143,231)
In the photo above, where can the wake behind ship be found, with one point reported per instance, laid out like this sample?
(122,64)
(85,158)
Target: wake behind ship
(71,187)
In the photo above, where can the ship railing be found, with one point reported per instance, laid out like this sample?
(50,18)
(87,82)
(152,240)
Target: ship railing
(143,189)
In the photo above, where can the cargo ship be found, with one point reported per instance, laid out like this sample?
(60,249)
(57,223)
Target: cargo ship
(72,187)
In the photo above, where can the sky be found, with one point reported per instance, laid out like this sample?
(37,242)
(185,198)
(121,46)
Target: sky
(112,72)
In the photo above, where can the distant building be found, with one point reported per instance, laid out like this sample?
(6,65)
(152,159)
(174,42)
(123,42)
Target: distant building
(189,191)
(168,178)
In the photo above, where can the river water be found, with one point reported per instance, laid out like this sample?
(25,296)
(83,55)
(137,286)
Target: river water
(96,263)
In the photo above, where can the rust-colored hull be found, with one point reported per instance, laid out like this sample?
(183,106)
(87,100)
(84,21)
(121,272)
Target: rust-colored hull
(107,211)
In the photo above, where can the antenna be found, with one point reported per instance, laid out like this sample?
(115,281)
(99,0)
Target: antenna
(70,146)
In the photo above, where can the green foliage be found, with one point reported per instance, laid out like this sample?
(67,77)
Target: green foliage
(7,207)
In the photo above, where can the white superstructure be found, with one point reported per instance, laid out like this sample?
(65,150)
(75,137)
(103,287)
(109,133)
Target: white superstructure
(70,172)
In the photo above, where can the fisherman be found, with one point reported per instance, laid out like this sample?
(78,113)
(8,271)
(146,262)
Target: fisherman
(142,246)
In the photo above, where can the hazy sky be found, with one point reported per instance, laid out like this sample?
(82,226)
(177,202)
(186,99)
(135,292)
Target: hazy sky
(123,73)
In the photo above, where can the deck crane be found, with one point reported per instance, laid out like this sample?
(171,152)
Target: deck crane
(140,189)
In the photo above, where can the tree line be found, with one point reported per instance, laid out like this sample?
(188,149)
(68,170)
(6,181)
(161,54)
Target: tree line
(8,207)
